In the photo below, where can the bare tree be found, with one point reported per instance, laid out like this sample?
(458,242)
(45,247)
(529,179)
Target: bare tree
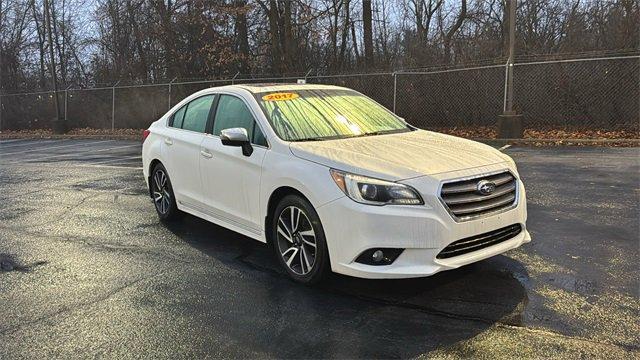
(447,34)
(367,32)
(153,40)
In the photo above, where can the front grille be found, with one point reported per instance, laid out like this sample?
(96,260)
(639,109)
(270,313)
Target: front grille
(478,242)
(465,201)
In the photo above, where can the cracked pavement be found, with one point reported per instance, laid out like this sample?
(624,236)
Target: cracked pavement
(87,270)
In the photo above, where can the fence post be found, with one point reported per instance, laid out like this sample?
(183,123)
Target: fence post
(506,86)
(234,78)
(0,112)
(171,82)
(395,90)
(113,106)
(66,93)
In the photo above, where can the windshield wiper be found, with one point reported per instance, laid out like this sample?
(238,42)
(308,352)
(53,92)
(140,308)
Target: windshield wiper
(309,139)
(336,137)
(384,132)
(322,138)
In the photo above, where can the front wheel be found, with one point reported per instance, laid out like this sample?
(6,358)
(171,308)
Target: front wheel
(298,240)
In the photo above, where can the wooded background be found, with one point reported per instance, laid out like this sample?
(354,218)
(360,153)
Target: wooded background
(404,54)
(103,41)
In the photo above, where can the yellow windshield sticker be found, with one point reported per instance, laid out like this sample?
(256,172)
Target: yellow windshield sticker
(280,97)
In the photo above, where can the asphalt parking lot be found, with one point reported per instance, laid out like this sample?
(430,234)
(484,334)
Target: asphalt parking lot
(89,271)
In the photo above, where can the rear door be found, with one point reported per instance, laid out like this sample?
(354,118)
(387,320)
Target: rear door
(183,147)
(231,180)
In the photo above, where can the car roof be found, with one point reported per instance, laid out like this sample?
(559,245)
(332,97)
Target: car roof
(268,87)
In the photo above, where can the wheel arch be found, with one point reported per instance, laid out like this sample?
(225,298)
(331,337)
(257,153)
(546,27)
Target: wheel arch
(275,197)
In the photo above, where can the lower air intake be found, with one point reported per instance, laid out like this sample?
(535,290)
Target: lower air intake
(477,242)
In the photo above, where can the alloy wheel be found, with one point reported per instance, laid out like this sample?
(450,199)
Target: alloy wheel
(296,240)
(161,194)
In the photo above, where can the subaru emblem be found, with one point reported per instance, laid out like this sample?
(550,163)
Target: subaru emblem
(485,187)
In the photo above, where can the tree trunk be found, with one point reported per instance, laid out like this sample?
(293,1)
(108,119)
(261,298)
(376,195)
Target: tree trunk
(242,36)
(56,40)
(448,36)
(274,32)
(138,39)
(355,43)
(41,41)
(333,34)
(1,53)
(368,32)
(168,37)
(47,19)
(345,33)
(288,43)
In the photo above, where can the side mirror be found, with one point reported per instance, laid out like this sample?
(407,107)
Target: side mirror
(237,137)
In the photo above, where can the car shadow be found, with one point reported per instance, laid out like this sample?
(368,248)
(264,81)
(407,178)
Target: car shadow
(356,318)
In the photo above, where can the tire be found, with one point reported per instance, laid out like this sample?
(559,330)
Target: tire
(162,194)
(298,240)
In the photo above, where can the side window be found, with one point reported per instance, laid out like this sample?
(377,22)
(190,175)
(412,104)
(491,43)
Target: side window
(177,117)
(195,118)
(258,136)
(233,113)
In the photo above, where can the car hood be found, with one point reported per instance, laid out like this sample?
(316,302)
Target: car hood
(399,156)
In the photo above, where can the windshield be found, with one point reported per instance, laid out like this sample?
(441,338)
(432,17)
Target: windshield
(322,114)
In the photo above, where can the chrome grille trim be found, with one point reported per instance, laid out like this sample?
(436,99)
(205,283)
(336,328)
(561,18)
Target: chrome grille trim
(460,199)
(498,180)
(474,243)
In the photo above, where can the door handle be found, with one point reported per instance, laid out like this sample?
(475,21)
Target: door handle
(206,154)
(168,141)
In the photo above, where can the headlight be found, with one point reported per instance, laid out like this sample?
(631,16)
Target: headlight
(375,192)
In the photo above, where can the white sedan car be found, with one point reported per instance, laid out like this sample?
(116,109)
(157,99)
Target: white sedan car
(333,181)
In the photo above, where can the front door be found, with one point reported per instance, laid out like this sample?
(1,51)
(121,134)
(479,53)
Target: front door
(231,180)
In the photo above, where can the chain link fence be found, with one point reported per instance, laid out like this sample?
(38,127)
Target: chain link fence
(592,94)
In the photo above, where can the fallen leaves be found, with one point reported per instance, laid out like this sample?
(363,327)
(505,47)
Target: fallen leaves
(554,137)
(532,137)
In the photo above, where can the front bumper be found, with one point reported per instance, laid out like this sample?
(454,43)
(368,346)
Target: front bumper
(423,231)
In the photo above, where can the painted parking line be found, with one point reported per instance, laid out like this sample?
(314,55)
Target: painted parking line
(45,158)
(45,148)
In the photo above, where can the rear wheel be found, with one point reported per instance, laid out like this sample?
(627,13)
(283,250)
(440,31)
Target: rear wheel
(162,194)
(298,240)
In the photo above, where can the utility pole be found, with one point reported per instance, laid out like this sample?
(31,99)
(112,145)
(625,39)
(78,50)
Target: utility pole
(58,126)
(510,123)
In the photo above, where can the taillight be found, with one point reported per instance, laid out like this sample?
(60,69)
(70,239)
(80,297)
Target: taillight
(145,134)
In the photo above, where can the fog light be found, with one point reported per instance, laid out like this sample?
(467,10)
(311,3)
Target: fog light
(378,255)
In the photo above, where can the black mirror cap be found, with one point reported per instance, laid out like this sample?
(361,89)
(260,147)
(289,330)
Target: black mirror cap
(247,149)
(232,142)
